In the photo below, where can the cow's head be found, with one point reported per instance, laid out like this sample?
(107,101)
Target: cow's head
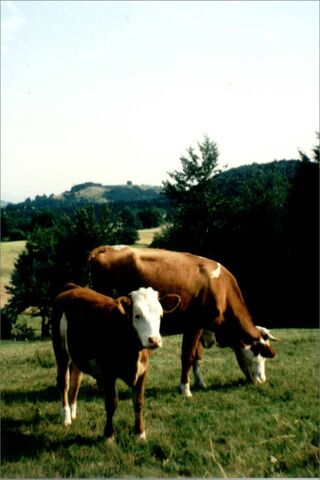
(147,311)
(252,358)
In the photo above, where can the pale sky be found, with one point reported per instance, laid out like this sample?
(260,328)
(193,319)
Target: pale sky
(110,91)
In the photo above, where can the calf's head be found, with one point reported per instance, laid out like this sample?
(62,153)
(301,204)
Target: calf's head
(147,311)
(252,358)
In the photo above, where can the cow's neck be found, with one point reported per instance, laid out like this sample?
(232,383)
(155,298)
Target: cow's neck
(237,330)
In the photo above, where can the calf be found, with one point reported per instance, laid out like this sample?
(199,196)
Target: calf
(107,339)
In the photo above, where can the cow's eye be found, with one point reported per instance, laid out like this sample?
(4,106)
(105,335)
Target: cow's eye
(137,316)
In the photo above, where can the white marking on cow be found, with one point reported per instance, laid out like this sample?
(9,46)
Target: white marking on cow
(141,368)
(216,272)
(118,247)
(63,331)
(185,389)
(253,366)
(66,416)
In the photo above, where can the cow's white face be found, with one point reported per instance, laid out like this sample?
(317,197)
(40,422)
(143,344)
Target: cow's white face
(253,366)
(252,358)
(146,316)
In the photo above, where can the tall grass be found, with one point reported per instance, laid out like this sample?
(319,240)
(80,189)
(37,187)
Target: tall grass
(231,429)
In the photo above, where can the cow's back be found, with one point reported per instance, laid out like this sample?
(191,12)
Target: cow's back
(198,280)
(129,268)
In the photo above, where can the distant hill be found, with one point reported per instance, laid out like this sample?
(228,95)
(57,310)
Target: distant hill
(98,193)
(94,193)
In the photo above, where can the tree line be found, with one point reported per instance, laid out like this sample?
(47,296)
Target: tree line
(260,221)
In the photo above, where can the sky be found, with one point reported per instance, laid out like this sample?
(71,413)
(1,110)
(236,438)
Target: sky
(116,91)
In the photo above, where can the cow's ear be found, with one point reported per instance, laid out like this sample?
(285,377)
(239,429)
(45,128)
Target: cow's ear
(267,335)
(124,304)
(170,302)
(263,349)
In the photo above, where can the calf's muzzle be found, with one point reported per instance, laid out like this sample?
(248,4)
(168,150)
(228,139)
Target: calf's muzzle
(155,342)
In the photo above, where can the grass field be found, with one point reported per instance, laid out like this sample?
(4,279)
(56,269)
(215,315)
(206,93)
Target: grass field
(231,429)
(9,251)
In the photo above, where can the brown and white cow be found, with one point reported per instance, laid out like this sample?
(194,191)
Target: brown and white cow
(210,300)
(107,339)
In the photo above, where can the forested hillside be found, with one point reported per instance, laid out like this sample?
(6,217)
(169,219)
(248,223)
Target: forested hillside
(17,220)
(261,221)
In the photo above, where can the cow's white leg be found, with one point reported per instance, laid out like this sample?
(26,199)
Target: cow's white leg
(198,379)
(185,389)
(73,410)
(66,416)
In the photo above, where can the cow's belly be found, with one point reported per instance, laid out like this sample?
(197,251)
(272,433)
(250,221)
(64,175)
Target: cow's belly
(174,324)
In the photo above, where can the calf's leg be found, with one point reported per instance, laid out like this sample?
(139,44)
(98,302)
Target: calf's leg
(63,381)
(111,402)
(138,405)
(76,377)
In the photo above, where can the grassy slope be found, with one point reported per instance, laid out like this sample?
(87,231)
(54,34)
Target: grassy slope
(9,251)
(231,429)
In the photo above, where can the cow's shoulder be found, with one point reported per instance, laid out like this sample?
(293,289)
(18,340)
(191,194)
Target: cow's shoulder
(109,256)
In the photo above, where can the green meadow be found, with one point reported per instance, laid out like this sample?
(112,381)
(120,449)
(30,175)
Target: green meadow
(231,429)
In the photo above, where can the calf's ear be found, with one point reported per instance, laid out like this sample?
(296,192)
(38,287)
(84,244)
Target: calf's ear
(170,302)
(264,349)
(124,304)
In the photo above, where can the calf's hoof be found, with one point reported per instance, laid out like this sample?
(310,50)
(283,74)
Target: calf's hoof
(110,440)
(66,416)
(142,436)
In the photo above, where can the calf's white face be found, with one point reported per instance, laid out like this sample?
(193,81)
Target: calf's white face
(146,316)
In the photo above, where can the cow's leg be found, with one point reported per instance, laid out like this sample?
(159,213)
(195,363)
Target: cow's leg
(138,405)
(76,377)
(63,380)
(198,379)
(111,402)
(189,347)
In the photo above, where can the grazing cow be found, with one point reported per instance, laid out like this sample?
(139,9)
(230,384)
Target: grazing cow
(107,339)
(210,300)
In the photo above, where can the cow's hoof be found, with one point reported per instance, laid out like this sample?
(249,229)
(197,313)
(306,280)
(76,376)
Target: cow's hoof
(110,440)
(185,390)
(200,384)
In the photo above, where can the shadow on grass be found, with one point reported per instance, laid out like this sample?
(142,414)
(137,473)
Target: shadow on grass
(233,385)
(16,444)
(49,394)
